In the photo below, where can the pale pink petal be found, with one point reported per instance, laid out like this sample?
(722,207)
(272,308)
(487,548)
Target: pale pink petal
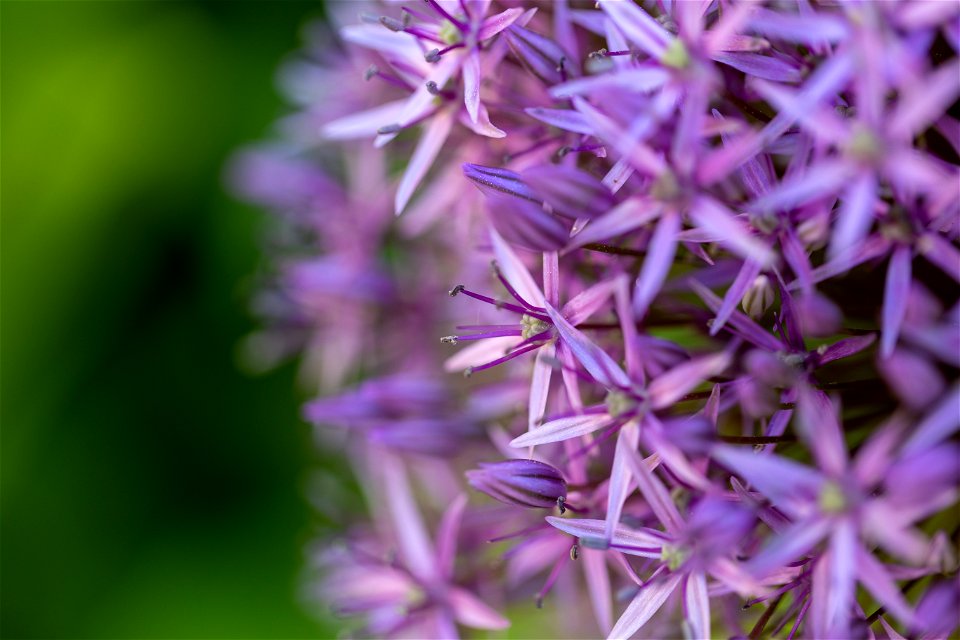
(819,425)
(645,543)
(598,586)
(697,604)
(431,141)
(363,124)
(639,80)
(588,301)
(515,272)
(447,535)
(540,384)
(647,602)
(843,577)
(408,526)
(483,126)
(471,84)
(620,478)
(562,429)
(472,612)
(921,104)
(654,492)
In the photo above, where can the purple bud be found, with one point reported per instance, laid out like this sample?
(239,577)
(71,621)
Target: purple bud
(492,180)
(569,191)
(540,55)
(526,224)
(524,483)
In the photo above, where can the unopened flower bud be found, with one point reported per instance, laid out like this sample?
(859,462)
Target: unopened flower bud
(758,297)
(524,483)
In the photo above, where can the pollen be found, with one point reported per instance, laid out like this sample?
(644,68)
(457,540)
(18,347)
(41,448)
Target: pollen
(530,326)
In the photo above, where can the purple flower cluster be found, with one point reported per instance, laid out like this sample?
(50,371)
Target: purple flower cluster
(703,278)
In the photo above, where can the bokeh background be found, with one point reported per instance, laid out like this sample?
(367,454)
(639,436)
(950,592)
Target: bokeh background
(148,487)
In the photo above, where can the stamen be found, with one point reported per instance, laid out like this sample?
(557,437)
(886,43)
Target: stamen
(497,303)
(434,55)
(552,578)
(388,129)
(575,552)
(482,336)
(457,289)
(392,23)
(434,90)
(511,290)
(436,7)
(510,356)
(373,71)
(449,339)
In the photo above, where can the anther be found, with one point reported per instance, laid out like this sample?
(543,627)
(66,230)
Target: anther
(575,552)
(457,289)
(371,71)
(391,23)
(449,339)
(599,53)
(390,128)
(432,56)
(468,372)
(561,506)
(433,88)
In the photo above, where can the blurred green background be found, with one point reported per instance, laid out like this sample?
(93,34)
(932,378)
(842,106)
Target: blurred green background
(149,489)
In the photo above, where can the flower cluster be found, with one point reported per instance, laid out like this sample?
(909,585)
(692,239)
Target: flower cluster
(703,278)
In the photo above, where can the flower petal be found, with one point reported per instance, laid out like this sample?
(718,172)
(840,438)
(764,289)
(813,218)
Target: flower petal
(562,429)
(431,141)
(649,600)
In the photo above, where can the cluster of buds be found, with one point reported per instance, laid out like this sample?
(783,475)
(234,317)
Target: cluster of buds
(703,276)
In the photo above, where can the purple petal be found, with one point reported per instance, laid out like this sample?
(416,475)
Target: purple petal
(669,387)
(845,348)
(789,485)
(788,546)
(912,377)
(562,429)
(496,23)
(594,359)
(805,29)
(656,265)
(713,217)
(822,179)
(818,425)
(895,298)
(745,277)
(625,217)
(565,119)
(941,253)
(638,26)
(842,577)
(938,425)
(651,596)
(878,582)
(492,180)
(588,301)
(744,325)
(856,215)
(921,104)
(759,66)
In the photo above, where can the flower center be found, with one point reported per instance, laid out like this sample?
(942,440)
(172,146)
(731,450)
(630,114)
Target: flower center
(449,32)
(530,326)
(619,403)
(832,498)
(865,146)
(676,55)
(673,557)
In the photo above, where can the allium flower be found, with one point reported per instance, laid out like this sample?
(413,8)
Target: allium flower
(714,366)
